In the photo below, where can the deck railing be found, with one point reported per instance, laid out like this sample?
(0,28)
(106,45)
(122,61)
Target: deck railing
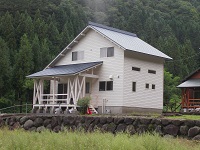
(191,103)
(53,98)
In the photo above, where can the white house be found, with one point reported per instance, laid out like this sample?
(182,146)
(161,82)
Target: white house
(120,72)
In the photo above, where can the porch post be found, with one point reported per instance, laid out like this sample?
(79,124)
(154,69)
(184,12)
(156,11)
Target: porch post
(68,90)
(76,86)
(34,92)
(40,92)
(84,86)
(54,84)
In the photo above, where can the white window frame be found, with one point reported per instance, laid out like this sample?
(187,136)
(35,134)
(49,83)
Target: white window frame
(79,55)
(106,52)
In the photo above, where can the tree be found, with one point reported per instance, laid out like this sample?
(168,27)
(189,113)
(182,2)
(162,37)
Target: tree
(22,68)
(171,93)
(45,54)
(5,69)
(37,58)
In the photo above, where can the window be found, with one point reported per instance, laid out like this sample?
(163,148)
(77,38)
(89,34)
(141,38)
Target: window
(152,71)
(135,68)
(102,86)
(78,55)
(147,85)
(107,52)
(109,86)
(105,85)
(153,86)
(87,87)
(134,86)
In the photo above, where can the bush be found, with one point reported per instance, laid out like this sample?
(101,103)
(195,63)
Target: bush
(83,103)
(4,102)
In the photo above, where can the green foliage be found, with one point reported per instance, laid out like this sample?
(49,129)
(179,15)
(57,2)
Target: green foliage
(172,94)
(4,102)
(84,102)
(18,139)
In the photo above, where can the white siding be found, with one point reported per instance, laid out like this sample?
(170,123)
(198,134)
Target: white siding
(143,98)
(91,45)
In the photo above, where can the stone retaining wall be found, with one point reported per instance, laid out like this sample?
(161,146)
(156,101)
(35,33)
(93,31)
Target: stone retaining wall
(189,129)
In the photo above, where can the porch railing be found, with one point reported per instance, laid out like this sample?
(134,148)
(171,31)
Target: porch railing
(191,103)
(53,98)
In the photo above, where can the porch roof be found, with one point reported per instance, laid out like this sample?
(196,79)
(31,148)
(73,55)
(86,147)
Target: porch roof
(70,69)
(190,83)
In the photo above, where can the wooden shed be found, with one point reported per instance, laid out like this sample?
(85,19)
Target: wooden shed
(191,91)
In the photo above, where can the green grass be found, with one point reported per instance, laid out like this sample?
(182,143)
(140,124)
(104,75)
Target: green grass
(190,117)
(21,140)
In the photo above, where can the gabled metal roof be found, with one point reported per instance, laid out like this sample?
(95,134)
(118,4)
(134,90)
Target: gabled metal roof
(190,83)
(127,40)
(71,69)
(123,39)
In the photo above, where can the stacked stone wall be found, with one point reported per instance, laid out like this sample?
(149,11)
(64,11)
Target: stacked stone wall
(189,129)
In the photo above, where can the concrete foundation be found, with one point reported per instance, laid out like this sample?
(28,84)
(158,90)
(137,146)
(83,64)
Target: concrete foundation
(127,110)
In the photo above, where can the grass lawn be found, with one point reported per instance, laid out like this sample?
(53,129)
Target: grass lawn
(22,140)
(190,117)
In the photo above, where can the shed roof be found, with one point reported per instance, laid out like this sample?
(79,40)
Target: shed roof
(124,39)
(190,83)
(71,69)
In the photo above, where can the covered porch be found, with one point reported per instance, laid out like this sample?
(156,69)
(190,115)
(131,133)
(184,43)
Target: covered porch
(66,85)
(190,94)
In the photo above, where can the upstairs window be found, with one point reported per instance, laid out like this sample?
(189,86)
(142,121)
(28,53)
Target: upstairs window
(147,85)
(107,52)
(152,71)
(78,55)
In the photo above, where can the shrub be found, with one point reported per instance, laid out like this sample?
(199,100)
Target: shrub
(83,103)
(4,102)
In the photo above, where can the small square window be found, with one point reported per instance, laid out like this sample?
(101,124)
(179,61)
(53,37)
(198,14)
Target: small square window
(153,86)
(74,56)
(103,52)
(152,71)
(147,85)
(79,55)
(110,51)
(102,86)
(134,86)
(135,68)
(109,86)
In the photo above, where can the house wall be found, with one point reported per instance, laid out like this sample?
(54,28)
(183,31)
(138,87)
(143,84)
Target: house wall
(91,45)
(143,98)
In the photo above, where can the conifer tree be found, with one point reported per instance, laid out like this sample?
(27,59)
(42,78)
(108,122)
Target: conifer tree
(5,69)
(22,68)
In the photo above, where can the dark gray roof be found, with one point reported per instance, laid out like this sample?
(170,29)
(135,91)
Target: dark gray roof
(65,69)
(111,29)
(190,83)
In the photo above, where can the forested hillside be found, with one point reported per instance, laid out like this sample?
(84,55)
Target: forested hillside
(33,32)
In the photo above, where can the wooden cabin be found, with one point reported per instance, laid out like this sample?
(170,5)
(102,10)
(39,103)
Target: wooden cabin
(191,91)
